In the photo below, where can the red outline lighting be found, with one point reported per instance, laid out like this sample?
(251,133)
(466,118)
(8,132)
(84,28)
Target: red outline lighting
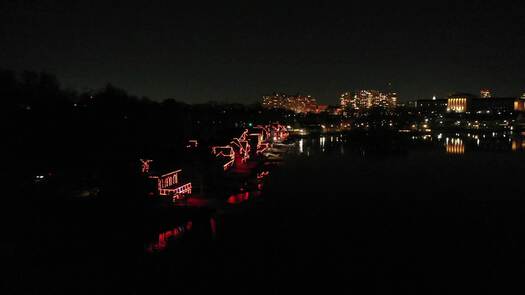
(243,146)
(230,154)
(192,143)
(168,185)
(145,165)
(280,132)
(163,238)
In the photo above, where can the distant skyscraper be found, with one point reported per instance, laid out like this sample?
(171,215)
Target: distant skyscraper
(485,93)
(275,101)
(366,99)
(346,99)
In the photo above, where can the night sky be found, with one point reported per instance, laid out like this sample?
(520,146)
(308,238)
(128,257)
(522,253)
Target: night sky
(237,53)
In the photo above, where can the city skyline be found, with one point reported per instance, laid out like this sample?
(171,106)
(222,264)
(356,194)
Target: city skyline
(240,53)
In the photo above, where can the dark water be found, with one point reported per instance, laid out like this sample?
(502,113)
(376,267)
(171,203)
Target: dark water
(391,214)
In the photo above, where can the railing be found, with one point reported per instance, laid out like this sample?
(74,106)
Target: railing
(176,191)
(228,165)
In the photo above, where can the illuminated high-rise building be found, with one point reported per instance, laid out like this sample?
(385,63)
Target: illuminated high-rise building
(390,100)
(362,100)
(302,104)
(345,99)
(366,99)
(275,101)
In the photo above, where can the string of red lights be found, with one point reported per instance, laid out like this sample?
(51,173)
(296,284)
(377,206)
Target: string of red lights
(239,148)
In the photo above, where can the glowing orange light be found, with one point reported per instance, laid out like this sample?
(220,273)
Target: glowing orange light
(455,147)
(266,131)
(518,144)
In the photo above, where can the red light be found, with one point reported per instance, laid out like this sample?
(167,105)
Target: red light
(213,227)
(174,234)
(262,174)
(168,185)
(241,147)
(145,165)
(226,152)
(239,198)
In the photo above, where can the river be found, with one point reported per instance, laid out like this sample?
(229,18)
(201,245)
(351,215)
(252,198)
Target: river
(414,214)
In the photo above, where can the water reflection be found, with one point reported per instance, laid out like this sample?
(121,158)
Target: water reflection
(243,196)
(169,236)
(455,146)
(453,143)
(213,227)
(365,146)
(518,144)
(239,198)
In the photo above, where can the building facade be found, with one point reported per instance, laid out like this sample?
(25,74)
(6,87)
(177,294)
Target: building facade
(458,103)
(367,99)
(432,105)
(464,103)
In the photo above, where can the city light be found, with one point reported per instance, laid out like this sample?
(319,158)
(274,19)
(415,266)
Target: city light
(367,99)
(455,146)
(485,93)
(295,103)
(457,105)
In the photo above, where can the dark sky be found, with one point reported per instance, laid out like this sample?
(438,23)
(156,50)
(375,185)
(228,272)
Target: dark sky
(236,52)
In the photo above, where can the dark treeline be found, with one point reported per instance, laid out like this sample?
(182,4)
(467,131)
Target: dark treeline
(104,132)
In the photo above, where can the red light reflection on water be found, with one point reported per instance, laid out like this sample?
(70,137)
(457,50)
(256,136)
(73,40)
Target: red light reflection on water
(239,198)
(165,237)
(243,197)
(213,227)
(262,175)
